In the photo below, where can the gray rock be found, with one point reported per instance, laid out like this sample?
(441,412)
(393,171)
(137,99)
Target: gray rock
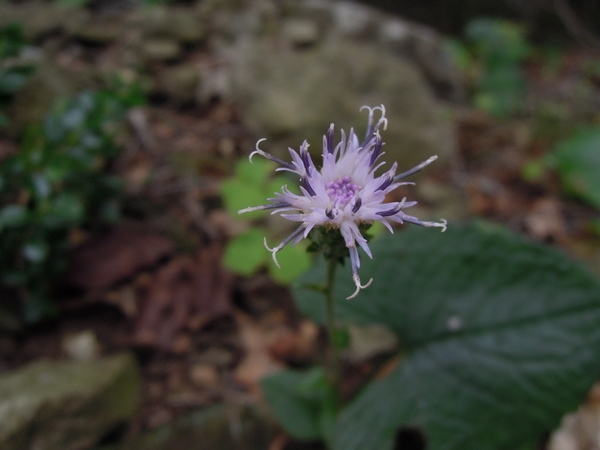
(96,29)
(58,405)
(219,427)
(426,49)
(300,32)
(181,24)
(180,83)
(161,49)
(82,346)
(187,28)
(155,21)
(291,96)
(353,19)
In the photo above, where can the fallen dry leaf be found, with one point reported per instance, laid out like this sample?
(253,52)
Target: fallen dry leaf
(185,294)
(258,360)
(102,261)
(294,345)
(545,221)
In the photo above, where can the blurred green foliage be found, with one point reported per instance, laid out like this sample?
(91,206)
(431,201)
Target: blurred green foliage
(304,402)
(252,185)
(492,56)
(577,161)
(54,184)
(13,73)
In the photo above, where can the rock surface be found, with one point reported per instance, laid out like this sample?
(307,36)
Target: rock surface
(64,405)
(219,427)
(289,97)
(322,61)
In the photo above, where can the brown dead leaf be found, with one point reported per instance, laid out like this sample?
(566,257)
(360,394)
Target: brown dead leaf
(183,295)
(102,261)
(294,345)
(258,360)
(545,221)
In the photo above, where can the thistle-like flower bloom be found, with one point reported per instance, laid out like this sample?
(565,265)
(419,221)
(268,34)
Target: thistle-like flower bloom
(345,193)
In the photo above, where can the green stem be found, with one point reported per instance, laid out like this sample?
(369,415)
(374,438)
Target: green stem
(334,358)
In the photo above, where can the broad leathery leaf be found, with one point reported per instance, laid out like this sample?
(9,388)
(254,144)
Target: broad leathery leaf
(501,338)
(577,161)
(246,253)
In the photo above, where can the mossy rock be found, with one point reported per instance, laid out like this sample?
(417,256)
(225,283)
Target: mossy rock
(66,405)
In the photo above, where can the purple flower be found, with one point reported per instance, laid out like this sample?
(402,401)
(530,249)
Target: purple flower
(345,193)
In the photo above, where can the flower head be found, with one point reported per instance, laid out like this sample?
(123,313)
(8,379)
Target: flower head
(345,193)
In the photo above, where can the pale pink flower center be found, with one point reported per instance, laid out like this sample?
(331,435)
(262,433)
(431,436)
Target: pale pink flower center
(341,191)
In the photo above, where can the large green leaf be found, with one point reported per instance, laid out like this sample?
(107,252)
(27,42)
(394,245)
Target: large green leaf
(500,338)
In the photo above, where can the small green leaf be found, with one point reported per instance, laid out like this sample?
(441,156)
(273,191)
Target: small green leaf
(110,211)
(500,338)
(12,216)
(533,171)
(74,117)
(279,181)
(41,185)
(577,161)
(238,195)
(459,53)
(36,251)
(294,261)
(12,80)
(65,210)
(255,173)
(246,253)
(37,306)
(303,403)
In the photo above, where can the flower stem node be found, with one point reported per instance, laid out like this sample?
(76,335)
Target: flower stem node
(345,194)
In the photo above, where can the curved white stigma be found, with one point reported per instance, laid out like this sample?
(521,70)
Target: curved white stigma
(359,286)
(273,251)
